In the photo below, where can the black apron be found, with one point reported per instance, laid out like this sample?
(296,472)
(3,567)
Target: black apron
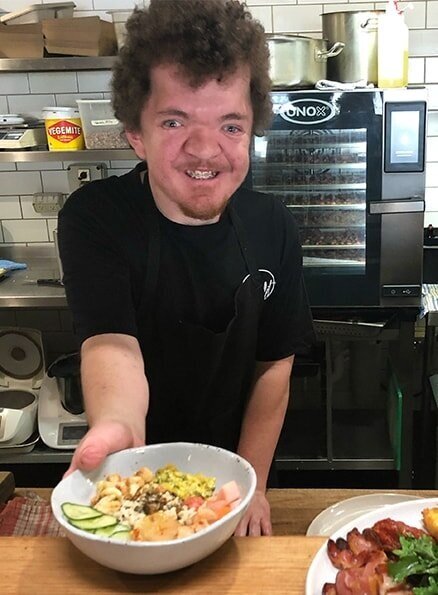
(199,379)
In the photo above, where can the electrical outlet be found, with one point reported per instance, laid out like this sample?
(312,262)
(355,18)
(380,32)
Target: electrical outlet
(48,203)
(81,173)
(84,175)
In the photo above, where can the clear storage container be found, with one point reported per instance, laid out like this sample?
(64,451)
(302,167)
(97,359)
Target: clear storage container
(101,129)
(38,12)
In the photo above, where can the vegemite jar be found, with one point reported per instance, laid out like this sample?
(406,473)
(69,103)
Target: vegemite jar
(63,128)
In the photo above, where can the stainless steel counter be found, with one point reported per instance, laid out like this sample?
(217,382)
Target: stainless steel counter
(20,290)
(41,454)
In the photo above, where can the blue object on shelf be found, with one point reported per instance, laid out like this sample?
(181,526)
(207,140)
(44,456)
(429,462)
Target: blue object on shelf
(10,265)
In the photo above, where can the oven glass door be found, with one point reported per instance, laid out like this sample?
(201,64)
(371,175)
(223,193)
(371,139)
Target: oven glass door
(323,158)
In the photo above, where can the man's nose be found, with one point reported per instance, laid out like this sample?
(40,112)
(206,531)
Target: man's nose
(202,143)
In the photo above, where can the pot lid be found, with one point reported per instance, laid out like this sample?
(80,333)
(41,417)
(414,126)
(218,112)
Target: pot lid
(21,358)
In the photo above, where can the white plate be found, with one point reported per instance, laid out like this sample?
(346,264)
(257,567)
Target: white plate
(331,519)
(322,571)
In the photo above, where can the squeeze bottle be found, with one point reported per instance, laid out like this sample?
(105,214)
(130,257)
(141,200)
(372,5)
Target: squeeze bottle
(392,48)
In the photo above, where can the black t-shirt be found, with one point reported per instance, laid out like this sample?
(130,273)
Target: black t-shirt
(103,243)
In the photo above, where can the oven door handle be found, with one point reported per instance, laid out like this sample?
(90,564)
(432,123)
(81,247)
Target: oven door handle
(414,204)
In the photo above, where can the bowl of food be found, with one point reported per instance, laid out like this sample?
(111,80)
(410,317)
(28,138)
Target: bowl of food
(157,508)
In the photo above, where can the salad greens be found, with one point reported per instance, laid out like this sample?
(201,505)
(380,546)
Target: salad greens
(417,562)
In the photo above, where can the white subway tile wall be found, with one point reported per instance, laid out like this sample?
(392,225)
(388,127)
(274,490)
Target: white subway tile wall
(29,92)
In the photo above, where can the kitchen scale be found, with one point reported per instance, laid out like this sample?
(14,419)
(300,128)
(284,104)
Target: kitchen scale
(61,417)
(17,132)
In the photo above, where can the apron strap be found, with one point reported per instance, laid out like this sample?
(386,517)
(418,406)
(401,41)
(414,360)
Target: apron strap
(153,257)
(242,238)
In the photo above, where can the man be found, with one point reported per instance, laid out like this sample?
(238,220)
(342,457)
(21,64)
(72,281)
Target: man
(186,289)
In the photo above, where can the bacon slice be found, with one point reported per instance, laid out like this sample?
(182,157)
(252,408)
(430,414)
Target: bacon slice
(366,580)
(342,557)
(355,551)
(367,541)
(362,560)
(389,531)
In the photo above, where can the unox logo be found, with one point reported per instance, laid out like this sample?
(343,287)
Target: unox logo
(307,111)
(64,131)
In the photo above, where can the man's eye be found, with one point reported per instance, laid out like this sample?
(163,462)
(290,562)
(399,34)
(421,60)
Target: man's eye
(171,124)
(233,129)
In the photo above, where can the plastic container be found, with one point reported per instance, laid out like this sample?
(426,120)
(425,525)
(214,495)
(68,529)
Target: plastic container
(393,48)
(63,128)
(38,12)
(101,129)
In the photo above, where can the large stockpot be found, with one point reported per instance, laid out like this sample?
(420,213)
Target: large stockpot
(298,61)
(358,30)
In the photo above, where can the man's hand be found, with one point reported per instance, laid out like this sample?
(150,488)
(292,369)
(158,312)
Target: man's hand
(100,441)
(257,519)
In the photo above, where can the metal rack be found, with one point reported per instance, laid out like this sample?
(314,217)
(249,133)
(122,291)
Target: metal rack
(94,154)
(52,64)
(322,434)
(321,177)
(68,63)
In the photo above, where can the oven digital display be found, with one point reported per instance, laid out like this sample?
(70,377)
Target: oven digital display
(72,433)
(404,138)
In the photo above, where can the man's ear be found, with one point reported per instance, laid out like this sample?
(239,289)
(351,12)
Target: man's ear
(136,143)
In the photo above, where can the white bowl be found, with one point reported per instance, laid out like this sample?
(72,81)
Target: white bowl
(144,557)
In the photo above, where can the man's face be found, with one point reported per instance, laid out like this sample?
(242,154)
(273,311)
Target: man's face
(195,142)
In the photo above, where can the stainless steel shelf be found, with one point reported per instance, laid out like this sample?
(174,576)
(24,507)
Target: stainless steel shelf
(58,63)
(20,288)
(318,142)
(285,463)
(340,207)
(311,187)
(269,165)
(333,246)
(95,154)
(329,227)
(40,454)
(311,261)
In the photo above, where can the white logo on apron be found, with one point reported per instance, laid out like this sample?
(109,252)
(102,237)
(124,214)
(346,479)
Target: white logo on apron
(268,282)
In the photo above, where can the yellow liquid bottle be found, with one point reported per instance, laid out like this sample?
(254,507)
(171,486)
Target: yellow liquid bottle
(392,49)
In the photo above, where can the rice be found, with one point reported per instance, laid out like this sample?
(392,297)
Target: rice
(154,500)
(157,506)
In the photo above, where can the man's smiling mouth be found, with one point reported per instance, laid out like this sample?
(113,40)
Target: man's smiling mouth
(197,174)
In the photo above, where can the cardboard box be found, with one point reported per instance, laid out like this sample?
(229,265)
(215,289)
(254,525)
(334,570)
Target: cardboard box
(37,12)
(21,41)
(81,36)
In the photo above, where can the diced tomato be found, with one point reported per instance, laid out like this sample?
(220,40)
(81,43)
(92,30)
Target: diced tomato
(229,492)
(220,507)
(194,501)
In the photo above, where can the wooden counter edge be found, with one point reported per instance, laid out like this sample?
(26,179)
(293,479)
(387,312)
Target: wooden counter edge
(292,509)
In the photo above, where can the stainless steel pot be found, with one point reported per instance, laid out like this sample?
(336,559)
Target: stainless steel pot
(298,61)
(358,31)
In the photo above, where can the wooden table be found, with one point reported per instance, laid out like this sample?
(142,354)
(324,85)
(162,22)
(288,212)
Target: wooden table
(292,510)
(243,566)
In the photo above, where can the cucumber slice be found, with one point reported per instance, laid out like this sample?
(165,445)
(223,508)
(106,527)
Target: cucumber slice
(121,535)
(78,512)
(109,531)
(105,520)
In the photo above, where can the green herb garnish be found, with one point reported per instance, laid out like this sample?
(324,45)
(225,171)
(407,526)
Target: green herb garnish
(418,563)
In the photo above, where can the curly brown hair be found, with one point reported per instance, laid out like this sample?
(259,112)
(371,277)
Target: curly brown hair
(206,38)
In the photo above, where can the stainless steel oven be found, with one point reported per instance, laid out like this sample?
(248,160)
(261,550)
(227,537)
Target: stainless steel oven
(350,167)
